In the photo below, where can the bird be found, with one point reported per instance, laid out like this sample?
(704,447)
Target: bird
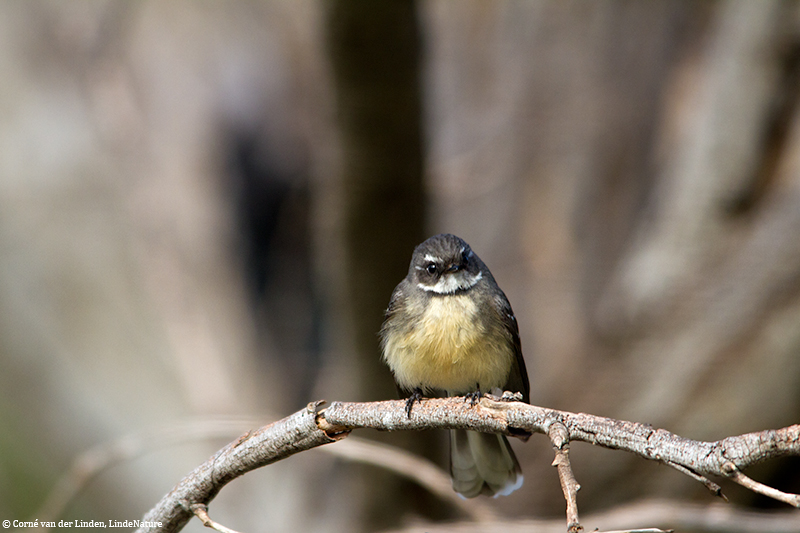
(450,329)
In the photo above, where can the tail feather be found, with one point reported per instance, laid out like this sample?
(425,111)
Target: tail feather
(483,463)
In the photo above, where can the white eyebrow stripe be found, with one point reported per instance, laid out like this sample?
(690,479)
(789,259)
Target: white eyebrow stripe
(429,257)
(449,284)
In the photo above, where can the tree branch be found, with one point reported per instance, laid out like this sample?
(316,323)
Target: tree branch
(252,450)
(559,437)
(315,426)
(93,461)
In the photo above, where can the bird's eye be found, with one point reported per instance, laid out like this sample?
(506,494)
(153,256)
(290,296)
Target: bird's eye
(431,268)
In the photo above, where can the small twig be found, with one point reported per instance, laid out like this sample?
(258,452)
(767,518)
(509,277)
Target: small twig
(736,475)
(710,485)
(201,512)
(559,437)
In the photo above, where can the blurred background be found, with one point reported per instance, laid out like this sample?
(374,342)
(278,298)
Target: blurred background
(205,206)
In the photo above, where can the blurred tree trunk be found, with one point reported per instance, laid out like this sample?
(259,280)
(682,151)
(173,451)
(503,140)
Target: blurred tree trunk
(374,49)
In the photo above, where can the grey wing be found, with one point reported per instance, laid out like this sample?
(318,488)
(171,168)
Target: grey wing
(395,303)
(518,376)
(391,325)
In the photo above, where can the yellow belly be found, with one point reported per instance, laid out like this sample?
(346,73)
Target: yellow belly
(449,348)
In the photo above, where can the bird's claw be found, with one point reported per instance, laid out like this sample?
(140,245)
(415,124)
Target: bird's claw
(415,396)
(473,397)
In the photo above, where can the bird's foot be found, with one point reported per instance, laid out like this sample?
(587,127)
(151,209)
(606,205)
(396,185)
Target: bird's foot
(415,396)
(473,397)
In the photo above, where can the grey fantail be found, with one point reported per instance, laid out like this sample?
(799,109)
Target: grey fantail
(449,328)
